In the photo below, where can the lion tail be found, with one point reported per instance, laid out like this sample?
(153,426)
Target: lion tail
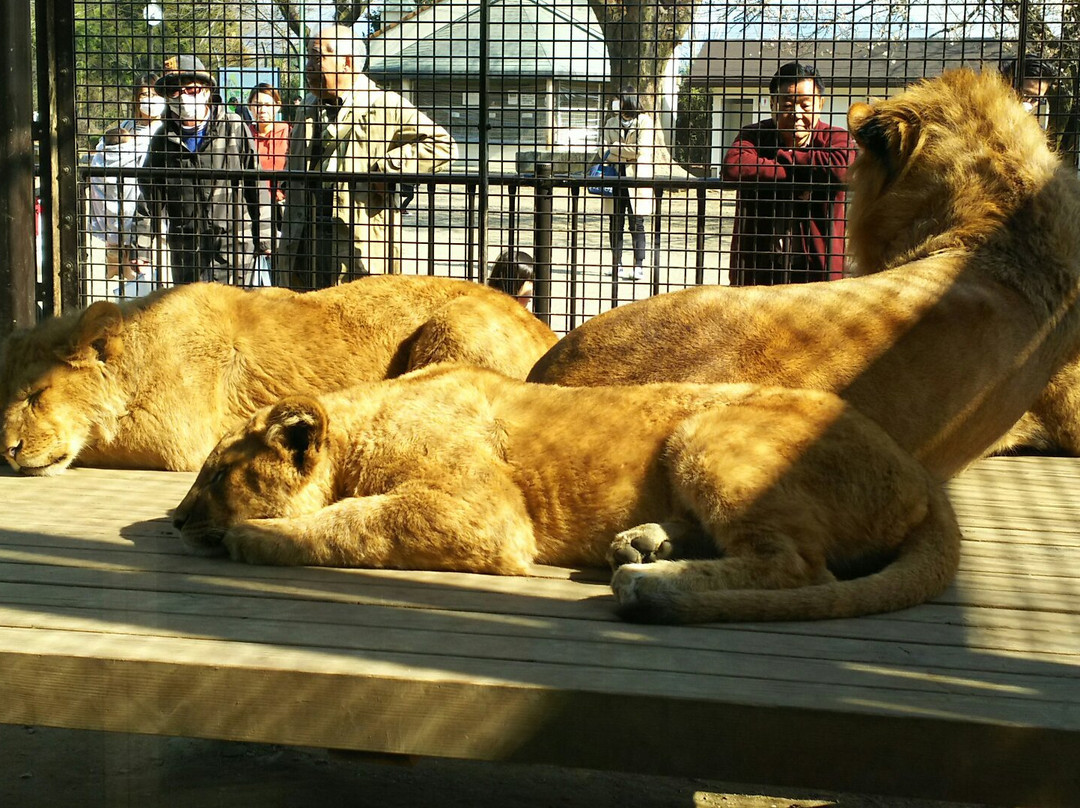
(924,567)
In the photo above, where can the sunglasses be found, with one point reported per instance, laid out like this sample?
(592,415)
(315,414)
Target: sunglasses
(190,89)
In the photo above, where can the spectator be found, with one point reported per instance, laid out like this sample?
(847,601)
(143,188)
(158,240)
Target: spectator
(791,169)
(1039,77)
(149,107)
(113,199)
(513,274)
(271,139)
(112,205)
(629,144)
(348,125)
(240,109)
(205,215)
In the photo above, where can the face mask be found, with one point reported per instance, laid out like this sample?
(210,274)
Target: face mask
(152,107)
(191,107)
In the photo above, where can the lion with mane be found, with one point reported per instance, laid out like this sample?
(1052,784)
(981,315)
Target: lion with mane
(964,227)
(154,383)
(714,502)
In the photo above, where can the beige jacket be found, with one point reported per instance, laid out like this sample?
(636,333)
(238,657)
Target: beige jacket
(636,151)
(375,131)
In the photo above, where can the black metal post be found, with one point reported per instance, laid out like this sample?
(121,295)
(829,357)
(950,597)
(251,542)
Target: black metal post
(654,270)
(699,242)
(18,263)
(57,153)
(484,124)
(576,216)
(542,207)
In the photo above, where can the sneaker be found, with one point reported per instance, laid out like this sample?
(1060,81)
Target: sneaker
(635,274)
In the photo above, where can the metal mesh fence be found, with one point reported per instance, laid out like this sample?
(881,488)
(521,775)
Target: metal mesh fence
(257,144)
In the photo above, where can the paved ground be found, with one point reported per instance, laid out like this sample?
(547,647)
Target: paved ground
(49,768)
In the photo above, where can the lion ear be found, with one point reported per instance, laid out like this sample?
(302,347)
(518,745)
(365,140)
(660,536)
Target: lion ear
(96,336)
(857,114)
(297,427)
(889,136)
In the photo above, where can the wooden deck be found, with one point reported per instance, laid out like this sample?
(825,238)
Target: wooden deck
(105,623)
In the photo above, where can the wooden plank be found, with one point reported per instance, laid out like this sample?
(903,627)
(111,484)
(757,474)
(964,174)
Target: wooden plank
(921,648)
(268,694)
(106,623)
(523,597)
(449,640)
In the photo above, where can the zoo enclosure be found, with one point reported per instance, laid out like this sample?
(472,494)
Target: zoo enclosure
(525,88)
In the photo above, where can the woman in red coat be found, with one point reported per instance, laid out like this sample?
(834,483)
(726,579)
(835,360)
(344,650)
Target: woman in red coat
(271,138)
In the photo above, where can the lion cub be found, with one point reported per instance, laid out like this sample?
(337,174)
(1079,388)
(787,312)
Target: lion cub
(457,468)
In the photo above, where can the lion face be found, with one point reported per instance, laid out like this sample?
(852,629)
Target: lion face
(58,391)
(273,466)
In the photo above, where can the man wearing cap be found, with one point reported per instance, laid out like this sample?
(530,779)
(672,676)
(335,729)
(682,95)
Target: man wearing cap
(336,225)
(790,170)
(217,224)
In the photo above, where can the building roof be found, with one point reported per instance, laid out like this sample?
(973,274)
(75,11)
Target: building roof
(535,38)
(842,63)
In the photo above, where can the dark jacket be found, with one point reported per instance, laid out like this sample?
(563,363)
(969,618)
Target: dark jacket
(221,215)
(787,231)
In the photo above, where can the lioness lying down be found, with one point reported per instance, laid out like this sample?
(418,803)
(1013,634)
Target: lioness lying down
(156,382)
(969,225)
(458,468)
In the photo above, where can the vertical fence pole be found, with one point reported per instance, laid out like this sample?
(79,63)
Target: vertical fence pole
(542,206)
(431,227)
(575,226)
(699,243)
(18,262)
(59,181)
(483,123)
(654,259)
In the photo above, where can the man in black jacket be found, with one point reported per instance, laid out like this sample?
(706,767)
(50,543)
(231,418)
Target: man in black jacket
(217,224)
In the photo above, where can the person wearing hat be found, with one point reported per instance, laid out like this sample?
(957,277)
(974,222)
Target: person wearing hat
(217,224)
(790,170)
(338,226)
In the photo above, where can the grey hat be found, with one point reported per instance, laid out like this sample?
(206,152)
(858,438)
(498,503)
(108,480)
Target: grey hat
(181,70)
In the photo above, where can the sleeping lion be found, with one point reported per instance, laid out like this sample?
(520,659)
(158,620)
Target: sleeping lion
(969,226)
(154,383)
(460,468)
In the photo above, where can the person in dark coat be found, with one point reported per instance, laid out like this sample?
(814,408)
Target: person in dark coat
(216,225)
(791,170)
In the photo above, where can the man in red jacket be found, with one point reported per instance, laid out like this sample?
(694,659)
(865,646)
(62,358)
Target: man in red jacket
(791,169)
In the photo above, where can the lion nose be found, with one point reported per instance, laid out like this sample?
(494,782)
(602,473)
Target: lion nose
(14,450)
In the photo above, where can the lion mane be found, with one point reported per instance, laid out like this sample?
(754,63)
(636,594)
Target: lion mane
(714,502)
(154,383)
(963,230)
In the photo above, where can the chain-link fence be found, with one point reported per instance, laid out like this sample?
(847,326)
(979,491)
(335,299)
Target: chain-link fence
(603,151)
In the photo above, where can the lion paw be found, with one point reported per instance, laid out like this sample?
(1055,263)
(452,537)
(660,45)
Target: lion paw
(256,543)
(632,583)
(642,544)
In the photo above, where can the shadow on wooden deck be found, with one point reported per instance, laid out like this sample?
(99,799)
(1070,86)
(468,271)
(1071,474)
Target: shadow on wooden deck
(106,623)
